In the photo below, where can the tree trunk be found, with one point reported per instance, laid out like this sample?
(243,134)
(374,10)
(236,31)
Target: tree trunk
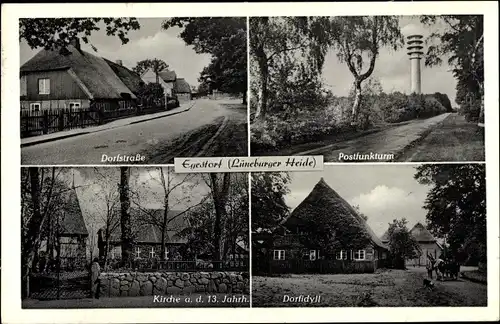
(357,103)
(219,194)
(262,96)
(126,226)
(164,231)
(481,111)
(244,100)
(33,228)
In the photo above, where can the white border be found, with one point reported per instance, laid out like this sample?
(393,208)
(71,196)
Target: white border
(11,306)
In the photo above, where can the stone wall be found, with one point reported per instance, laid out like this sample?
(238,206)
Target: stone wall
(156,283)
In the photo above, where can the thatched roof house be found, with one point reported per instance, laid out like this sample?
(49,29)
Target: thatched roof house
(92,74)
(167,75)
(181,86)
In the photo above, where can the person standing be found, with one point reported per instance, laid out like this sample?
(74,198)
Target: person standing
(95,272)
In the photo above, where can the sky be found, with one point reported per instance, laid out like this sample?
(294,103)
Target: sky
(149,42)
(382,192)
(392,68)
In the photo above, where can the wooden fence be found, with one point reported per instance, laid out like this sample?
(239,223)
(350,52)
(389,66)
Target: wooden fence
(321,266)
(42,122)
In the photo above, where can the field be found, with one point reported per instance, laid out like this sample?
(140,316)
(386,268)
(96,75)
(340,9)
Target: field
(385,288)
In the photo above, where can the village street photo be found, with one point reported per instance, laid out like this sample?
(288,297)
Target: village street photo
(368,88)
(370,236)
(127,90)
(120,237)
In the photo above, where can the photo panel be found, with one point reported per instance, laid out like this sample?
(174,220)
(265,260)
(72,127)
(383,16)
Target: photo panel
(405,235)
(132,90)
(133,237)
(368,88)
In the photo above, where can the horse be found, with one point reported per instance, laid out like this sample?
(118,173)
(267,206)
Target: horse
(449,269)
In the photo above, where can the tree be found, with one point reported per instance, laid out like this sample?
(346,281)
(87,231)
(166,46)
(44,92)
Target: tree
(462,42)
(125,219)
(52,33)
(402,244)
(107,198)
(219,184)
(269,207)
(456,205)
(172,186)
(151,94)
(277,39)
(155,64)
(42,207)
(358,37)
(225,39)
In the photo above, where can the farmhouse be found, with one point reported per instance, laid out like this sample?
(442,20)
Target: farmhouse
(182,89)
(324,233)
(67,233)
(72,78)
(146,224)
(166,79)
(427,242)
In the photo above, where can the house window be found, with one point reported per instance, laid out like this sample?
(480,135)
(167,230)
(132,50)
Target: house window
(35,107)
(279,254)
(112,253)
(152,253)
(359,255)
(312,255)
(74,105)
(341,255)
(166,255)
(43,86)
(137,252)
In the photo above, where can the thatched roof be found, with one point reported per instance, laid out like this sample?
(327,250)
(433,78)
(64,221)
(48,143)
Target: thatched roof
(421,234)
(72,217)
(131,79)
(167,76)
(144,230)
(332,205)
(181,86)
(92,73)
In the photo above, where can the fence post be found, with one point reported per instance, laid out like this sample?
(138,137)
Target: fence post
(60,125)
(45,122)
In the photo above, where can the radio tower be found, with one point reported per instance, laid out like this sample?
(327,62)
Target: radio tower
(415,48)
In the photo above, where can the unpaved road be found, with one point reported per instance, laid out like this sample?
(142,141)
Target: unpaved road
(387,288)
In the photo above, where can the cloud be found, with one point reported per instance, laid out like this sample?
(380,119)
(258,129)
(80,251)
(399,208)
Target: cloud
(383,204)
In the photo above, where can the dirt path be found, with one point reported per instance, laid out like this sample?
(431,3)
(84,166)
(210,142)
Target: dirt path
(388,144)
(391,288)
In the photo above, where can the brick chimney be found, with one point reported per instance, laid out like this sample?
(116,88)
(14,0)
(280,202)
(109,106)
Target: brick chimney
(119,62)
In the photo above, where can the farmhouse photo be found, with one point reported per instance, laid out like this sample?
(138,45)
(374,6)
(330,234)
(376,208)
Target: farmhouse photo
(124,237)
(132,90)
(368,88)
(370,236)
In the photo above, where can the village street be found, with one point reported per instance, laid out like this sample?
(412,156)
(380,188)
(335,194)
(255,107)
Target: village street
(149,138)
(386,288)
(446,137)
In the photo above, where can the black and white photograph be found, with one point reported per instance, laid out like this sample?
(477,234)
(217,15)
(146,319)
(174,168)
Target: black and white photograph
(368,88)
(370,236)
(132,90)
(122,237)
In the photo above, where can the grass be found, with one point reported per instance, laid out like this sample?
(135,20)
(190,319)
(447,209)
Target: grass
(388,288)
(475,276)
(454,139)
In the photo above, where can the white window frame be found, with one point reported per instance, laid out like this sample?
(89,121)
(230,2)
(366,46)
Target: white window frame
(152,253)
(137,252)
(313,255)
(342,255)
(44,86)
(33,105)
(76,105)
(166,255)
(359,252)
(280,255)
